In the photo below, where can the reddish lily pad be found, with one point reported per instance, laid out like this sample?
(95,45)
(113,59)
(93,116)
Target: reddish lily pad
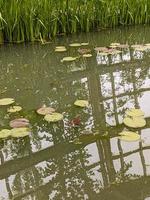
(20,122)
(45,110)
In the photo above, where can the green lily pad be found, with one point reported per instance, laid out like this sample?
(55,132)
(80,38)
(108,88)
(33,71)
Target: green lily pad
(75,45)
(5,133)
(60,49)
(6,101)
(87,55)
(14,109)
(54,117)
(45,110)
(129,136)
(135,122)
(81,103)
(84,44)
(69,59)
(135,112)
(20,132)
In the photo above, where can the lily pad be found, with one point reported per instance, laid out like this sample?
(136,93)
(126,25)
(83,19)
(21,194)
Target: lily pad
(81,103)
(129,136)
(69,59)
(20,122)
(135,122)
(87,55)
(60,47)
(75,45)
(135,112)
(45,110)
(6,101)
(20,132)
(54,117)
(84,44)
(14,109)
(5,133)
(60,50)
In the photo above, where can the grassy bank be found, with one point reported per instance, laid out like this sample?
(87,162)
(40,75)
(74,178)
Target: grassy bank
(28,20)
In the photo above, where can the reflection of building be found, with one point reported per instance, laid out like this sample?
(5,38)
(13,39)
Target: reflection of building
(66,171)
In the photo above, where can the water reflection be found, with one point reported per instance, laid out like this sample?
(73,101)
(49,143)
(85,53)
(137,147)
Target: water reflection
(45,165)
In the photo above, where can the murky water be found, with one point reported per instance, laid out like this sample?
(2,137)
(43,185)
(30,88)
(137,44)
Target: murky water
(46,165)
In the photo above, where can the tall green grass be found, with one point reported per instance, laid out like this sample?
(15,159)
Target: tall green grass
(30,20)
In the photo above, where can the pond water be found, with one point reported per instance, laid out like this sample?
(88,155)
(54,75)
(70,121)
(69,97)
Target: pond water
(45,164)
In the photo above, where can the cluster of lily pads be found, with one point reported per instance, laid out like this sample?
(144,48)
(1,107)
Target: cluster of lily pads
(19,126)
(134,119)
(112,49)
(51,116)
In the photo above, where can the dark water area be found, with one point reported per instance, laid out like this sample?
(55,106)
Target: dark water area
(46,165)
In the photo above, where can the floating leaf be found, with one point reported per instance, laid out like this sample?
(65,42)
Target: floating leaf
(60,50)
(14,109)
(129,136)
(81,103)
(115,44)
(54,117)
(6,101)
(20,132)
(84,43)
(135,122)
(60,47)
(45,110)
(20,122)
(87,55)
(75,45)
(68,59)
(5,133)
(135,112)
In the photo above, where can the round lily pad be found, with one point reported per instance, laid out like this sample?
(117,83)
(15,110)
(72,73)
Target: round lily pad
(5,133)
(20,132)
(68,59)
(45,110)
(84,44)
(129,136)
(87,55)
(54,117)
(20,122)
(14,109)
(135,112)
(75,45)
(135,122)
(6,101)
(81,103)
(60,49)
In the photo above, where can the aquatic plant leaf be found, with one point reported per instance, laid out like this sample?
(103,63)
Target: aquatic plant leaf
(100,49)
(20,132)
(81,103)
(45,110)
(14,109)
(84,44)
(135,122)
(75,45)
(87,55)
(5,133)
(54,117)
(68,59)
(20,122)
(60,47)
(129,136)
(60,50)
(133,112)
(115,44)
(6,101)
